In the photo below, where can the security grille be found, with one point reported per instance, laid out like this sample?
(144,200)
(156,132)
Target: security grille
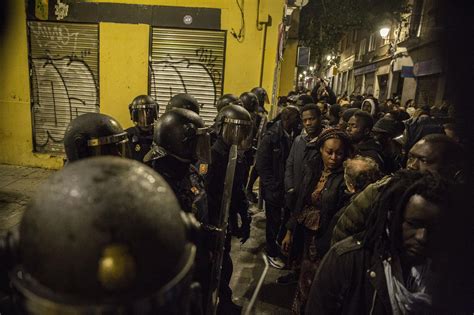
(187,61)
(64,68)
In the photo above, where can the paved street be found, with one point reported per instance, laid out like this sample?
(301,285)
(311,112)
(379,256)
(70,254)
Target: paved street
(18,184)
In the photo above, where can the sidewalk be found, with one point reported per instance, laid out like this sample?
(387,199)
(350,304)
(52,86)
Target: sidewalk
(18,184)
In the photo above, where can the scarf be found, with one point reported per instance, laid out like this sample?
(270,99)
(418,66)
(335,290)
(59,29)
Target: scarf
(412,296)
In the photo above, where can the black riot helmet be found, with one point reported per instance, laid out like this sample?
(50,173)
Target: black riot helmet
(262,96)
(227,99)
(181,133)
(104,236)
(143,111)
(250,102)
(234,125)
(185,101)
(94,134)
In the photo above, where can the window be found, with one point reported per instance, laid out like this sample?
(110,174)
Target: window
(416,19)
(187,61)
(64,70)
(354,36)
(372,42)
(362,47)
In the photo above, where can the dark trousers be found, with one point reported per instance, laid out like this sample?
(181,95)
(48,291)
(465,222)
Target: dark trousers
(274,217)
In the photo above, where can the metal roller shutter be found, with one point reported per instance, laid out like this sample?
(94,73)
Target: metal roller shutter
(187,61)
(426,89)
(64,69)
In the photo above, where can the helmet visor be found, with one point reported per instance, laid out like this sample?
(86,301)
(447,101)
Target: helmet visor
(116,145)
(203,146)
(238,132)
(144,117)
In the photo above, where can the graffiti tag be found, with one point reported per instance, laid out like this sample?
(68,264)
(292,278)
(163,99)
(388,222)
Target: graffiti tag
(54,37)
(57,98)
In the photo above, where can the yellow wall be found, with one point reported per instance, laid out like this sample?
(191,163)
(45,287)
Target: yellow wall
(124,50)
(118,87)
(16,144)
(287,75)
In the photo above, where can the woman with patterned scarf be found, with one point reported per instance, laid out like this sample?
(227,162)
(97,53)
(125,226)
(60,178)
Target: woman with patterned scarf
(321,196)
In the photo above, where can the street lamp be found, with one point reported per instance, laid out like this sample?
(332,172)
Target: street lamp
(328,57)
(384,32)
(300,76)
(304,72)
(311,68)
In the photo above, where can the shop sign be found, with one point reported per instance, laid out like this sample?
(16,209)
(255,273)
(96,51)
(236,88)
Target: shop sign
(407,72)
(366,69)
(426,67)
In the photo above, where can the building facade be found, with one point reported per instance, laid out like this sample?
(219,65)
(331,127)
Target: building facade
(62,58)
(405,64)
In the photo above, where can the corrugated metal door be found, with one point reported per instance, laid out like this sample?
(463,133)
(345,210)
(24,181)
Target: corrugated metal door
(64,71)
(187,61)
(426,89)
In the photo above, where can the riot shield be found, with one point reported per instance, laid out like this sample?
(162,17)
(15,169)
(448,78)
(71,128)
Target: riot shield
(223,222)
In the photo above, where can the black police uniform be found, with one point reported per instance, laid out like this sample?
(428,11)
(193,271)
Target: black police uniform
(188,186)
(140,142)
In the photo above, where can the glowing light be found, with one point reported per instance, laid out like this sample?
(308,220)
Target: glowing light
(384,32)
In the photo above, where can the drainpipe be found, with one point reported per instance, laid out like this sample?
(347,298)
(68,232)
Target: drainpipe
(264,28)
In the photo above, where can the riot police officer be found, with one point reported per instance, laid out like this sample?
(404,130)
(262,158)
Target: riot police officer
(232,121)
(143,113)
(181,140)
(227,99)
(250,102)
(104,236)
(95,134)
(185,101)
(261,123)
(262,96)
(222,102)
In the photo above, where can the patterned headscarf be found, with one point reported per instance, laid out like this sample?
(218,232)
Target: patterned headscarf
(334,133)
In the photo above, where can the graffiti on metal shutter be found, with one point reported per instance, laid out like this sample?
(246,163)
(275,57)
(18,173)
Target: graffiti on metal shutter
(64,79)
(187,61)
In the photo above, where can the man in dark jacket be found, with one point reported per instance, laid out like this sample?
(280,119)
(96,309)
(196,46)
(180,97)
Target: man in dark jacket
(386,273)
(311,118)
(359,129)
(271,160)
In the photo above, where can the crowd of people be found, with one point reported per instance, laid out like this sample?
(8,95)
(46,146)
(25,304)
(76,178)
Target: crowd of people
(353,194)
